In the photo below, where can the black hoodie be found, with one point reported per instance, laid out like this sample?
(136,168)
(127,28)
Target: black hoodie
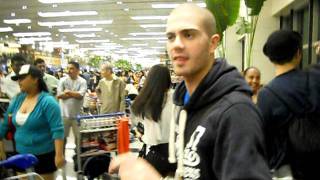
(223,137)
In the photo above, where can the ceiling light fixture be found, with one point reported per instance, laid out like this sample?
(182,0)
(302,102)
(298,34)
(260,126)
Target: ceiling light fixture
(80,30)
(16,21)
(75,23)
(6,29)
(92,41)
(91,49)
(145,44)
(152,25)
(143,38)
(149,17)
(162,42)
(85,35)
(29,34)
(67,13)
(65,1)
(35,39)
(147,34)
(171,6)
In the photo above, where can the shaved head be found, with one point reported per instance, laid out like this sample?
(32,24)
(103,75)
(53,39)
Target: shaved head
(205,17)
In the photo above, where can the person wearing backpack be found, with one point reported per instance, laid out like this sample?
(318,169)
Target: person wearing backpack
(290,107)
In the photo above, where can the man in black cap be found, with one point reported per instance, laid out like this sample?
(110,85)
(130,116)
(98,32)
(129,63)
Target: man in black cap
(292,94)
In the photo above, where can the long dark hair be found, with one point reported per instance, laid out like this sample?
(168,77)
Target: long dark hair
(151,98)
(36,73)
(42,86)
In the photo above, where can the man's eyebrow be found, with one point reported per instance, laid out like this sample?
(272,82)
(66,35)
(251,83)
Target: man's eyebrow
(183,30)
(169,33)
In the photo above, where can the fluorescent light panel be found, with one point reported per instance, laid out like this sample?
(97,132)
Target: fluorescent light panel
(67,13)
(85,35)
(28,34)
(149,17)
(140,44)
(107,47)
(162,42)
(91,49)
(75,23)
(152,25)
(80,30)
(64,1)
(147,34)
(169,6)
(53,43)
(36,39)
(16,21)
(143,38)
(6,29)
(93,41)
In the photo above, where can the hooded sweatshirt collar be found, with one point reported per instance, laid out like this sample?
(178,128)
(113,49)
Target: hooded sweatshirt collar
(221,80)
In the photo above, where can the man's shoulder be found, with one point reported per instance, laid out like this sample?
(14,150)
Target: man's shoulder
(119,81)
(8,77)
(237,97)
(81,79)
(64,78)
(49,75)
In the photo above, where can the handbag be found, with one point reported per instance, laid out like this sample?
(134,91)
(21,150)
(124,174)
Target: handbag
(11,129)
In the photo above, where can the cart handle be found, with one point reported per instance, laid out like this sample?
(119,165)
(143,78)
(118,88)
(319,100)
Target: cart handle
(22,161)
(100,115)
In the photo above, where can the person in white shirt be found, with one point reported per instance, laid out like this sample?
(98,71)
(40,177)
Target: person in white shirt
(71,90)
(51,81)
(8,86)
(153,107)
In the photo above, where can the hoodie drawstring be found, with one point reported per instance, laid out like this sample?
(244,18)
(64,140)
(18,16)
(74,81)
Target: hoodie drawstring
(180,142)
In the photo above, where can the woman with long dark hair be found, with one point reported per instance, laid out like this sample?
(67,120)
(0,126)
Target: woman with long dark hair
(153,108)
(37,119)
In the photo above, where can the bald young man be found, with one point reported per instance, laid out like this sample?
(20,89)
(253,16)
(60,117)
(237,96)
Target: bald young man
(216,131)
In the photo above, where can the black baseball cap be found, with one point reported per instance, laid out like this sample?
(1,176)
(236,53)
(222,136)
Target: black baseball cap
(27,69)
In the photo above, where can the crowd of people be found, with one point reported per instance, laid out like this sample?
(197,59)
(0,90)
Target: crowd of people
(217,123)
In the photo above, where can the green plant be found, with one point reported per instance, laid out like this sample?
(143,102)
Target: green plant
(253,11)
(123,64)
(95,61)
(226,13)
(138,67)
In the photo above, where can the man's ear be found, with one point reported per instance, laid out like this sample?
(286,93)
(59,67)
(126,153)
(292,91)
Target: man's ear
(298,56)
(214,41)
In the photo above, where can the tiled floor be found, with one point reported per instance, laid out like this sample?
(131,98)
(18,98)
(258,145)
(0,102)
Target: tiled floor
(68,172)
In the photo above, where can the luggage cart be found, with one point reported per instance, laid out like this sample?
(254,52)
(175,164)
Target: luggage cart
(21,161)
(98,137)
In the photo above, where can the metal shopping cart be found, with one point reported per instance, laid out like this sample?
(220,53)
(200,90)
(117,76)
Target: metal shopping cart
(99,135)
(20,161)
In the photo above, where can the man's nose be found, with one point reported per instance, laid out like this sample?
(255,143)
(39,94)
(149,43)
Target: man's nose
(178,42)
